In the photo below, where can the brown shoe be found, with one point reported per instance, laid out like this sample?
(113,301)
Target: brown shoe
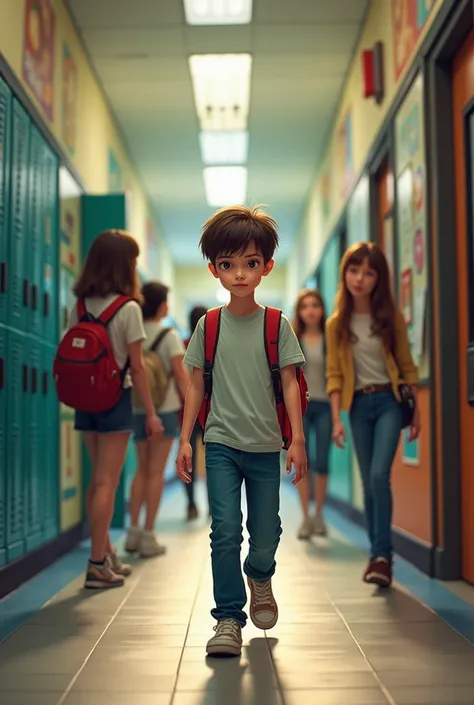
(263,606)
(379,572)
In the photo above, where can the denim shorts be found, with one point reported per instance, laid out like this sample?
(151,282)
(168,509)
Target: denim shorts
(119,419)
(170,421)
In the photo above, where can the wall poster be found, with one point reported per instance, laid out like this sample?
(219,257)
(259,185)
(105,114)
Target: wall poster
(411,221)
(69,99)
(410,449)
(389,246)
(408,20)
(344,156)
(38,53)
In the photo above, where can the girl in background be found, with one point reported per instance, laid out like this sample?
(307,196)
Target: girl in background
(109,272)
(309,325)
(368,357)
(147,485)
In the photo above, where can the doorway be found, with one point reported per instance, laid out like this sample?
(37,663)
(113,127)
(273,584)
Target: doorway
(463,125)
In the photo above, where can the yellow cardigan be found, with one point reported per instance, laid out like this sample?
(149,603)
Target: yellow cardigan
(340,376)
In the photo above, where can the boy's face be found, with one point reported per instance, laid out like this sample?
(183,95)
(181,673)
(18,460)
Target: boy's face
(241,273)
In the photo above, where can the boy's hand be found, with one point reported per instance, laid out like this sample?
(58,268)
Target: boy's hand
(184,466)
(297,457)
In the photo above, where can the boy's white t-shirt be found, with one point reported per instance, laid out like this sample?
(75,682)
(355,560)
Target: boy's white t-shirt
(126,326)
(170,347)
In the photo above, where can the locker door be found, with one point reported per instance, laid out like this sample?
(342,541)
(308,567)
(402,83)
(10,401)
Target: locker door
(34,246)
(5,130)
(17,385)
(33,442)
(51,247)
(18,285)
(50,442)
(3,449)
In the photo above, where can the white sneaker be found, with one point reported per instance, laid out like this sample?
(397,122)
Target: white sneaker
(319,527)
(149,546)
(306,529)
(133,539)
(117,566)
(227,640)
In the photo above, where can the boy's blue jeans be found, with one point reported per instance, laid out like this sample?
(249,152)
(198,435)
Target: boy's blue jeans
(226,468)
(376,423)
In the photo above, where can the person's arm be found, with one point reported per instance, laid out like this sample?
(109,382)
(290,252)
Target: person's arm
(192,403)
(291,395)
(180,375)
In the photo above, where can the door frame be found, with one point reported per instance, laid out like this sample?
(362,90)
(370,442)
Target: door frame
(448,555)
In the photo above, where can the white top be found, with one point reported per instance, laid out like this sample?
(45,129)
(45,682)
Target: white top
(171,346)
(369,360)
(314,368)
(125,328)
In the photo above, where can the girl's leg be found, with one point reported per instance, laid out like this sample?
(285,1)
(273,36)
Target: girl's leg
(137,491)
(91,439)
(306,529)
(362,428)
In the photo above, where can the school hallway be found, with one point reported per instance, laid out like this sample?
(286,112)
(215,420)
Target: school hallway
(337,642)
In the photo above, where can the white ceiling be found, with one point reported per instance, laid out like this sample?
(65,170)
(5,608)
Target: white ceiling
(301,51)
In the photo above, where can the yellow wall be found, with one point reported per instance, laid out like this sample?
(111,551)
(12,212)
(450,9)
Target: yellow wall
(96,131)
(327,198)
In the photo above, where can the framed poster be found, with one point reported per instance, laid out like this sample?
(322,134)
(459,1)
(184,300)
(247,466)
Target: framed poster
(410,449)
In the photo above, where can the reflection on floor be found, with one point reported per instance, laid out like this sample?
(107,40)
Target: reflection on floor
(338,642)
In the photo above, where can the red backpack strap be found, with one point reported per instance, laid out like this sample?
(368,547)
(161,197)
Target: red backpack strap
(107,315)
(272,334)
(81,309)
(212,324)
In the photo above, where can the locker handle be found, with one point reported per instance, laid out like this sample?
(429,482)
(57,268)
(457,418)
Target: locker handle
(46,304)
(34,379)
(2,373)
(45,382)
(34,297)
(25,378)
(26,292)
(3,277)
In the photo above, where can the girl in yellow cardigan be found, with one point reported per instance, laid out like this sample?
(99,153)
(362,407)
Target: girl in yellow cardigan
(368,357)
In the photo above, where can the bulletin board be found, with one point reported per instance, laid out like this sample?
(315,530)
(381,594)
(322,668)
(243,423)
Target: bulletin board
(411,222)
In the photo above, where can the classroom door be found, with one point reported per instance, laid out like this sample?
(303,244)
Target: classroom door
(463,120)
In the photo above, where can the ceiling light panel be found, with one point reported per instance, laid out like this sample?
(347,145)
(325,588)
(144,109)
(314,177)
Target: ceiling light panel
(218,12)
(224,147)
(221,87)
(225,185)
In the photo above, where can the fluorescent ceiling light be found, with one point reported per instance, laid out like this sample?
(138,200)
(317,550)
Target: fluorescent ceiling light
(224,147)
(218,11)
(221,86)
(225,185)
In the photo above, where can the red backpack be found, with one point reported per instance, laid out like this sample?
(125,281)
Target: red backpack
(87,375)
(271,337)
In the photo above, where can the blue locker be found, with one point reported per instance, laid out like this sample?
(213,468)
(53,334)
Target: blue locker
(18,284)
(17,383)
(35,234)
(3,448)
(50,247)
(5,131)
(33,412)
(50,442)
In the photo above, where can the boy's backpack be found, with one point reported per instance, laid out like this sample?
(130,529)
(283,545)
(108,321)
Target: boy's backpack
(87,375)
(158,376)
(271,337)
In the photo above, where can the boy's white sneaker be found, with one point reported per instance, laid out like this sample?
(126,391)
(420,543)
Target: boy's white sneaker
(133,539)
(227,640)
(263,606)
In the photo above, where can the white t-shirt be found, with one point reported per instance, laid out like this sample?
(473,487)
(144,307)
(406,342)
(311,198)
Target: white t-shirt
(126,326)
(171,346)
(369,360)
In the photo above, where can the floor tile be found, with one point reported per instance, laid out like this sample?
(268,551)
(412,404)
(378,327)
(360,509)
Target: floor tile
(359,696)
(114,698)
(441,695)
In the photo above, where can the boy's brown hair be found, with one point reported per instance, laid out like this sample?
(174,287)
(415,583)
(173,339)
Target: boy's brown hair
(110,267)
(231,230)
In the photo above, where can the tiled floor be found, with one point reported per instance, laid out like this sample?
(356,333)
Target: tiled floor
(338,642)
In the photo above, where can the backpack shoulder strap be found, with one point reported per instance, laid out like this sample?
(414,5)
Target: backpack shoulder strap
(107,315)
(212,323)
(161,336)
(271,337)
(81,309)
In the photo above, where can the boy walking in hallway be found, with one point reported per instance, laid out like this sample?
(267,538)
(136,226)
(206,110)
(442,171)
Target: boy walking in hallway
(242,432)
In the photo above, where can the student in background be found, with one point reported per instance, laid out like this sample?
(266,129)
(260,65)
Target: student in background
(309,324)
(368,357)
(110,272)
(197,313)
(147,485)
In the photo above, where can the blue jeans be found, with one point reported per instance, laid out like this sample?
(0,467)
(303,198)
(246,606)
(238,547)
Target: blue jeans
(226,469)
(318,416)
(376,423)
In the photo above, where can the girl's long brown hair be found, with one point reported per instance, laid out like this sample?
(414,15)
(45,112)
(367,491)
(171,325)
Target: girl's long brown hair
(298,325)
(110,267)
(382,304)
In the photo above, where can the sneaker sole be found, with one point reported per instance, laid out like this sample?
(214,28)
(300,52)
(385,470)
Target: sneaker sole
(378,579)
(222,650)
(98,585)
(264,626)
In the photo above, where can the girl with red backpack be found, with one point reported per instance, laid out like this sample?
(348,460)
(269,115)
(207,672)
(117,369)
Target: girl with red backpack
(98,360)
